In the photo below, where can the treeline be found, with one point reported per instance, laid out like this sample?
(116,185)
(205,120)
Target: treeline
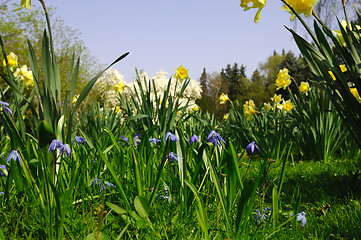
(260,87)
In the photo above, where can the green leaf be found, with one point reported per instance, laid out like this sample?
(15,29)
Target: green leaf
(45,134)
(142,206)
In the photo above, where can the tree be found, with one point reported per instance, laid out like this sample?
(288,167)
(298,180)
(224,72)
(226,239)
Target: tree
(203,81)
(257,90)
(233,76)
(18,26)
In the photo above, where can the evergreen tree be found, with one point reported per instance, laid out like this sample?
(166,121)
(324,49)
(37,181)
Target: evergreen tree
(203,81)
(233,76)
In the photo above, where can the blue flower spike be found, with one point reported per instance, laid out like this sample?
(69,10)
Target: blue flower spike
(302,217)
(193,139)
(14,154)
(215,138)
(252,146)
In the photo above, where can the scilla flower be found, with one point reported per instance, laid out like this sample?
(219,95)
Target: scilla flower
(215,138)
(193,139)
(252,146)
(14,154)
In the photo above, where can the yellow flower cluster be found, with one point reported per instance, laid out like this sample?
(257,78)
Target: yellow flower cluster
(249,109)
(283,79)
(23,73)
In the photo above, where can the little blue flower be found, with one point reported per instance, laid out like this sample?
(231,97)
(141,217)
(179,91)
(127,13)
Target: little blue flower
(302,217)
(2,193)
(14,154)
(3,171)
(66,149)
(262,217)
(215,138)
(79,140)
(171,136)
(126,140)
(154,140)
(6,107)
(136,139)
(55,144)
(173,156)
(193,139)
(100,183)
(252,146)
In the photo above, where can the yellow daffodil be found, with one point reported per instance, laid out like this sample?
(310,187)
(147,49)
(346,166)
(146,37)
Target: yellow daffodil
(225,116)
(117,109)
(300,6)
(12,60)
(249,109)
(181,73)
(223,98)
(119,87)
(287,106)
(255,4)
(267,106)
(195,108)
(304,88)
(283,79)
(75,98)
(339,33)
(355,93)
(277,98)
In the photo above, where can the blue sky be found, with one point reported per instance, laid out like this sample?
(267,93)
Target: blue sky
(163,34)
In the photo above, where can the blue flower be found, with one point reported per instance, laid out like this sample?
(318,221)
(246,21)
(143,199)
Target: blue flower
(262,217)
(215,138)
(166,196)
(79,140)
(193,139)
(100,183)
(66,149)
(136,139)
(126,140)
(154,140)
(172,137)
(2,193)
(6,107)
(3,171)
(14,154)
(109,184)
(251,146)
(173,156)
(55,144)
(302,217)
